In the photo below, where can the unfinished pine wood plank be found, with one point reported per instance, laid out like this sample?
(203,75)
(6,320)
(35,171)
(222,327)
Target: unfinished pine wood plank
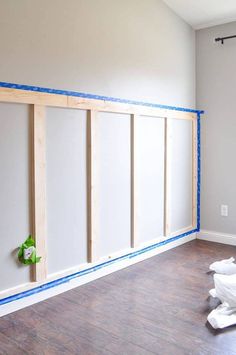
(32,97)
(134,236)
(39,190)
(194,173)
(119,107)
(58,100)
(91,186)
(181,231)
(167,179)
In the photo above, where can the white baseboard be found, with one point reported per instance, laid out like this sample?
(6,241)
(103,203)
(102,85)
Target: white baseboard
(23,302)
(216,237)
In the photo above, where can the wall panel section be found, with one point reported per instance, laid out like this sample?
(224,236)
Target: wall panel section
(66,188)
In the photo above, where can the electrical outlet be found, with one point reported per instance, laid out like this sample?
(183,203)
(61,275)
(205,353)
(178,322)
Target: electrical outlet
(224,210)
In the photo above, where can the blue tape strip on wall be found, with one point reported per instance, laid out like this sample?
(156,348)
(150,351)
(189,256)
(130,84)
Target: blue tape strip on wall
(68,278)
(92,96)
(198,171)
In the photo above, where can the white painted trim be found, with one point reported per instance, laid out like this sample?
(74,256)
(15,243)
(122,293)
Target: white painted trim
(217,237)
(30,300)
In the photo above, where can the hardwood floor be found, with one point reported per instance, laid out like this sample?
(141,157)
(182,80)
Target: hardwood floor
(158,306)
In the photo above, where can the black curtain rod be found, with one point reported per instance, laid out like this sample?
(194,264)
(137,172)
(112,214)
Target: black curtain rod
(222,39)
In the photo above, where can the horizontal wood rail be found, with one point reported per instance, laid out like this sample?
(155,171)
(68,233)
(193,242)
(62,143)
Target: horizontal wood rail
(47,99)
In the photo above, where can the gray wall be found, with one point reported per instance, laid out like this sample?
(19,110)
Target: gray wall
(180,171)
(14,192)
(113,183)
(150,177)
(127,48)
(216,94)
(66,188)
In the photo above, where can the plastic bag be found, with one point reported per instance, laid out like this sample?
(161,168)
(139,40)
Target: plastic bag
(225,267)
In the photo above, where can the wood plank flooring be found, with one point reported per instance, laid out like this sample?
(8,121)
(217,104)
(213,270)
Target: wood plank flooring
(158,306)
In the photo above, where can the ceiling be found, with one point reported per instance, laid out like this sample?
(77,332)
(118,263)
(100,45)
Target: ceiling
(204,13)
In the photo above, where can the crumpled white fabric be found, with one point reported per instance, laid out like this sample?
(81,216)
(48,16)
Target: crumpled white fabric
(223,316)
(225,286)
(225,267)
(212,293)
(225,289)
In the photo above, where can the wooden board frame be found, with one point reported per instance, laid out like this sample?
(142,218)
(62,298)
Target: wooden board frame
(39,101)
(56,100)
(166,179)
(39,224)
(91,186)
(133,133)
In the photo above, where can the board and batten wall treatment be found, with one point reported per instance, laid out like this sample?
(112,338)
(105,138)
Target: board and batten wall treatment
(101,177)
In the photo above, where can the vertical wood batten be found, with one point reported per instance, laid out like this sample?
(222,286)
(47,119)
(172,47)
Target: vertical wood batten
(133,133)
(91,193)
(167,178)
(39,190)
(194,172)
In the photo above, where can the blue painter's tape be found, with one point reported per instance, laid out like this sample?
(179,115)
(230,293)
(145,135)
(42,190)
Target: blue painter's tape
(68,278)
(92,96)
(198,171)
